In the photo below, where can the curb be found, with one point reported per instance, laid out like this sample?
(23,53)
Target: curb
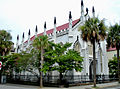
(106,86)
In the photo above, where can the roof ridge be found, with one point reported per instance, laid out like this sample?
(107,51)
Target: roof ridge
(58,28)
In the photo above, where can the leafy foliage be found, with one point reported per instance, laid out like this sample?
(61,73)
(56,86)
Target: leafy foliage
(5,42)
(93,29)
(30,59)
(39,44)
(41,41)
(23,61)
(29,62)
(113,38)
(113,68)
(5,47)
(62,60)
(9,62)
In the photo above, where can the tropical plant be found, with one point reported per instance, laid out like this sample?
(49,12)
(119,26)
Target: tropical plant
(9,63)
(40,43)
(5,44)
(29,61)
(113,39)
(23,62)
(93,30)
(62,60)
(113,68)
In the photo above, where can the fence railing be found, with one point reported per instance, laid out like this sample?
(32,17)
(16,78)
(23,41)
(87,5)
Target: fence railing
(54,80)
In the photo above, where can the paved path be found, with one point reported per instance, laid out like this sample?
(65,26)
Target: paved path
(115,87)
(100,86)
(17,86)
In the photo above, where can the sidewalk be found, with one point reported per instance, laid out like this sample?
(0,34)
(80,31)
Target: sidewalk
(103,85)
(18,86)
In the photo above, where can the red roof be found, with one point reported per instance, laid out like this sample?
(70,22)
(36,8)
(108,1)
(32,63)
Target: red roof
(59,28)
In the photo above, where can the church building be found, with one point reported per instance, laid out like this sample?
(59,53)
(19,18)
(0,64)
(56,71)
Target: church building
(69,33)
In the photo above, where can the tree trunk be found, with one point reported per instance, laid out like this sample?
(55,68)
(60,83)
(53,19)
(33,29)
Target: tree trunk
(94,64)
(118,64)
(61,78)
(1,69)
(41,73)
(39,70)
(0,75)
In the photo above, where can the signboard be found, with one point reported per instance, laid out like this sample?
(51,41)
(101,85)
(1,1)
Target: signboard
(0,65)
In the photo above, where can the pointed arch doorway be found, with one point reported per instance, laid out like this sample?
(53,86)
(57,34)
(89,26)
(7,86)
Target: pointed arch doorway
(91,69)
(77,46)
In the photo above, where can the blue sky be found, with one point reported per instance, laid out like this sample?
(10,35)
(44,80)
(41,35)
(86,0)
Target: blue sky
(18,16)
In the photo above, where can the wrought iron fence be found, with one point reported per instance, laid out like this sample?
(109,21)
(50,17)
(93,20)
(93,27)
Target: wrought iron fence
(54,80)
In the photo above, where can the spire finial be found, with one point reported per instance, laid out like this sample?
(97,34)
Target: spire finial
(82,11)
(17,37)
(54,20)
(77,38)
(36,30)
(29,32)
(45,25)
(45,28)
(23,35)
(93,10)
(81,2)
(70,16)
(86,10)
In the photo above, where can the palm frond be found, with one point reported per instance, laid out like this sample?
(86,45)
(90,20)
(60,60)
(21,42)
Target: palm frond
(93,29)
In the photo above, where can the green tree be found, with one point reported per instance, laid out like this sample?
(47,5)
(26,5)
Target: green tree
(5,45)
(5,42)
(62,59)
(93,30)
(113,69)
(29,62)
(40,43)
(113,39)
(9,63)
(23,63)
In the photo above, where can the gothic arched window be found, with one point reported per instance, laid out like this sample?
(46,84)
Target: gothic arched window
(90,48)
(77,46)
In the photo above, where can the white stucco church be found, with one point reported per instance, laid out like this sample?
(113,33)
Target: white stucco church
(69,33)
